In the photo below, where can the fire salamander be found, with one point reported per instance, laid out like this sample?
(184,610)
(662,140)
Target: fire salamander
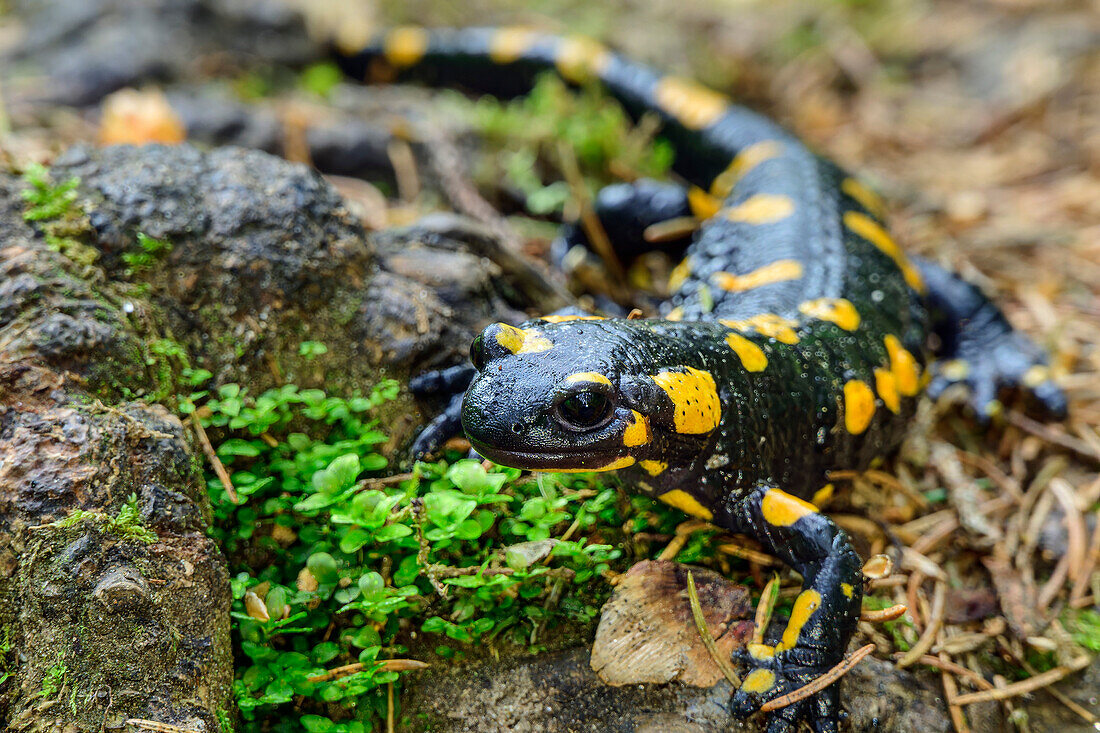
(795,340)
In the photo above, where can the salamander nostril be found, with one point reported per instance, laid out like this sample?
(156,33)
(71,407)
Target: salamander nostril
(517,428)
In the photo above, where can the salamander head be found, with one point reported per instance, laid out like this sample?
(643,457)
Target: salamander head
(565,396)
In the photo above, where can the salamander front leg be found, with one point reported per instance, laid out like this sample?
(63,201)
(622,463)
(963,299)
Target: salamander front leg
(824,615)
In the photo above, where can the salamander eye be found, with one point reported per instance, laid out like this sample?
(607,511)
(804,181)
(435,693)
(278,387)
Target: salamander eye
(477,353)
(585,410)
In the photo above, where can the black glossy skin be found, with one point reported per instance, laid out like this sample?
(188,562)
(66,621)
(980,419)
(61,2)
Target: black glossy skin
(780,410)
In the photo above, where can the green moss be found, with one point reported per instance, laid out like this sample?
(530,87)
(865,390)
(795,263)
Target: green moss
(53,209)
(54,679)
(150,250)
(125,525)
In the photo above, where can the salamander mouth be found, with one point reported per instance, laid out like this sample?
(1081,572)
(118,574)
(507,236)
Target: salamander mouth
(545,460)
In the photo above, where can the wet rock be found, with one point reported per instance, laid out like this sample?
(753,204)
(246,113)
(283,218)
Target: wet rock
(558,692)
(87,49)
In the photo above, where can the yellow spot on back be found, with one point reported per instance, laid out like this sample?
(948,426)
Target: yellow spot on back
(637,433)
(859,406)
(759,681)
(742,163)
(774,272)
(807,602)
(653,468)
(752,356)
(692,104)
(702,204)
(679,274)
(522,340)
(847,589)
(886,384)
(867,198)
(903,365)
(873,232)
(563,319)
(761,208)
(675,314)
(580,59)
(686,503)
(587,377)
(823,494)
(780,509)
(767,324)
(405,46)
(835,310)
(509,44)
(694,397)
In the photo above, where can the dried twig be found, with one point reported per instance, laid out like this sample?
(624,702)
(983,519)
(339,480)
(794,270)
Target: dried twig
(704,634)
(1023,687)
(935,620)
(212,456)
(141,723)
(386,665)
(885,614)
(764,609)
(820,683)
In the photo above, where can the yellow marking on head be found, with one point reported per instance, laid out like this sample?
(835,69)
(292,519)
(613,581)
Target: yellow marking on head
(615,465)
(780,509)
(686,503)
(867,198)
(690,103)
(903,365)
(767,324)
(1036,375)
(405,46)
(807,602)
(955,370)
(834,310)
(847,590)
(694,398)
(509,44)
(886,384)
(588,377)
(522,340)
(679,274)
(823,494)
(742,163)
(759,681)
(653,468)
(859,406)
(703,205)
(760,651)
(675,314)
(580,58)
(873,232)
(637,433)
(752,356)
(761,208)
(774,272)
(563,319)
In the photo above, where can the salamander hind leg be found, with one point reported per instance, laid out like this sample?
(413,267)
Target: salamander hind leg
(824,616)
(626,211)
(979,348)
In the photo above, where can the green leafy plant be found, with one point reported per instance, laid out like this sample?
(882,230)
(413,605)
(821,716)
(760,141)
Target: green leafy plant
(534,129)
(334,562)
